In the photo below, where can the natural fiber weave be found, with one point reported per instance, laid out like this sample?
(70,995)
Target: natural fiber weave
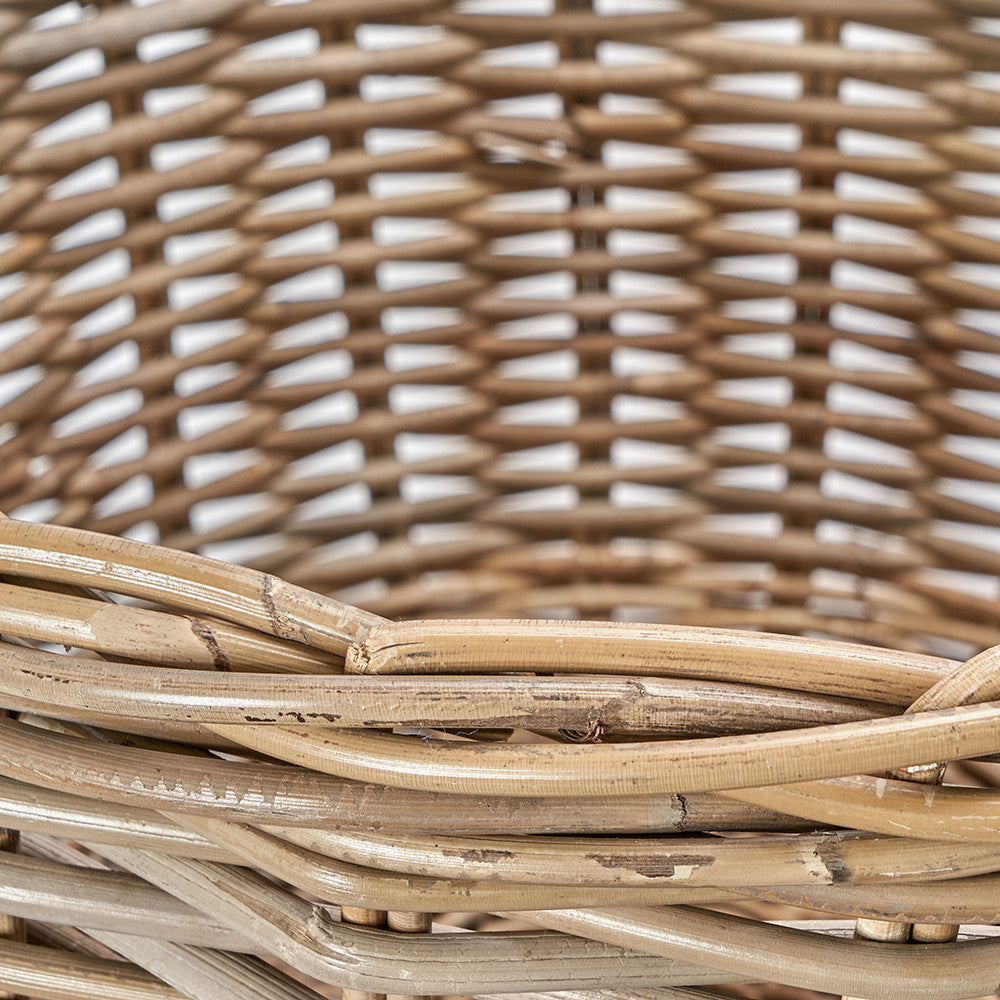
(514,324)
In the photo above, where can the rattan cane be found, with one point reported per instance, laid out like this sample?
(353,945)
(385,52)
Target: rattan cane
(633,365)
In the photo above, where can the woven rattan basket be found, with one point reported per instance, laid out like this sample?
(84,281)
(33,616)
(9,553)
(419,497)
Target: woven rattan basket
(634,365)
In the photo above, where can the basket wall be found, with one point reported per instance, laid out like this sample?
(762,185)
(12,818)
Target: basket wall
(649,313)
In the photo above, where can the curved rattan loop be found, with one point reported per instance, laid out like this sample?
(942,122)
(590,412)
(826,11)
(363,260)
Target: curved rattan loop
(187,582)
(604,769)
(878,970)
(836,668)
(657,706)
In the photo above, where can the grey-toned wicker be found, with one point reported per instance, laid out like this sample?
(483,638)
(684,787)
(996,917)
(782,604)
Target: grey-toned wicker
(633,365)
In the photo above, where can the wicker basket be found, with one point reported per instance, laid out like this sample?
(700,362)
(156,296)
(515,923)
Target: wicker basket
(515,326)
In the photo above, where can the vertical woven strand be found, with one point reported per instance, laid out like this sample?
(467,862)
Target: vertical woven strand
(30,413)
(950,331)
(816,137)
(333,28)
(125,102)
(242,306)
(593,363)
(364,339)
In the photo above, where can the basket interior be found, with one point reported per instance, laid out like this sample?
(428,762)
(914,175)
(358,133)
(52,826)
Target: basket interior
(635,309)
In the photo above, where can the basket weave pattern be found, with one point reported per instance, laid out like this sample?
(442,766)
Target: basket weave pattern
(515,325)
